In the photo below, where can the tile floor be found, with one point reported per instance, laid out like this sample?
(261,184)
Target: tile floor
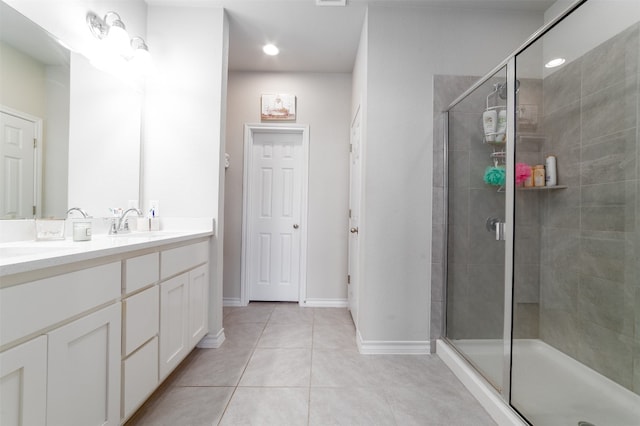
(286,365)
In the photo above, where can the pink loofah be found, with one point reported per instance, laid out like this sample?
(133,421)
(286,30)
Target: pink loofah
(523,171)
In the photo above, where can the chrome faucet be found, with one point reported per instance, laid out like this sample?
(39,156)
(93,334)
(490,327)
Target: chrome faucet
(78,209)
(120,225)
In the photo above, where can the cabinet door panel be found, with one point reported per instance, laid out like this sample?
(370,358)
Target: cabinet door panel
(174,334)
(23,384)
(198,303)
(84,371)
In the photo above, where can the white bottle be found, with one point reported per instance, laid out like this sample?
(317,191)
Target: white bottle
(501,127)
(551,175)
(490,122)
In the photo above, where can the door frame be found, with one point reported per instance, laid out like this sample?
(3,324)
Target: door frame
(38,168)
(249,130)
(355,278)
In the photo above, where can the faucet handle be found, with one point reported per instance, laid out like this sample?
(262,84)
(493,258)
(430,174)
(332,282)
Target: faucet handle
(113,228)
(126,225)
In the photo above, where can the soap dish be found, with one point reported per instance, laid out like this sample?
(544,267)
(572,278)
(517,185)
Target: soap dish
(49,229)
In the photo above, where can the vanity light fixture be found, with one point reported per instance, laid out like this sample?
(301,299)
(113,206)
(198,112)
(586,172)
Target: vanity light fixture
(555,63)
(270,49)
(141,55)
(112,30)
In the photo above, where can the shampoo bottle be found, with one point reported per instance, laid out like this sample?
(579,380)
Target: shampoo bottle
(501,127)
(551,174)
(490,122)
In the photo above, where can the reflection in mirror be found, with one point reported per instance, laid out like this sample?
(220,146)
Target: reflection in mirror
(104,140)
(34,104)
(87,123)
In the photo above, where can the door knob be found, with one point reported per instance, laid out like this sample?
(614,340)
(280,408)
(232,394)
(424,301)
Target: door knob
(354,230)
(296,226)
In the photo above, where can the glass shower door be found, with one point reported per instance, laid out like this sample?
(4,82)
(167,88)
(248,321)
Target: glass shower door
(476,209)
(576,312)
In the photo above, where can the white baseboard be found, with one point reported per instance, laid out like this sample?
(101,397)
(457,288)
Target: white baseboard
(231,301)
(212,341)
(326,303)
(392,347)
(483,392)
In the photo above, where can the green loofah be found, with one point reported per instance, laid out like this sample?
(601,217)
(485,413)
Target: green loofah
(495,176)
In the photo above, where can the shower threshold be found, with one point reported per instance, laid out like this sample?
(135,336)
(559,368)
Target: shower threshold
(548,387)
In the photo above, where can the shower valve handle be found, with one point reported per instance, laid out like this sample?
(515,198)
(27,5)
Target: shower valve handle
(500,231)
(494,224)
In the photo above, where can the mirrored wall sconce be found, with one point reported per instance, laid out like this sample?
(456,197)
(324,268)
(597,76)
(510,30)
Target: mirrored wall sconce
(116,42)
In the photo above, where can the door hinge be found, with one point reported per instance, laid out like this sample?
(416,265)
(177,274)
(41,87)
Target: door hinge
(349,213)
(350,148)
(34,210)
(348,279)
(35,142)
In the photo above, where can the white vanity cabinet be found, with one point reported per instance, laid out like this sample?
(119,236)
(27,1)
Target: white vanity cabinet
(183,302)
(70,345)
(23,384)
(86,342)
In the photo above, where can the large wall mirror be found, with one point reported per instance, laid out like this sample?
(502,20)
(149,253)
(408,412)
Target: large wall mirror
(86,123)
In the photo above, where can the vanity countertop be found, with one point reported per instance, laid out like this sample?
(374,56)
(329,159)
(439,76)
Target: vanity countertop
(26,256)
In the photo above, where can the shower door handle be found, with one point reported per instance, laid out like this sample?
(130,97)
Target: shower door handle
(494,224)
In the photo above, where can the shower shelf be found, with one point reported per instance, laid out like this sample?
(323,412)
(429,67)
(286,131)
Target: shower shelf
(532,138)
(541,188)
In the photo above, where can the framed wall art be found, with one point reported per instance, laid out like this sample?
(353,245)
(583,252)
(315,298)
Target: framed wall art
(278,107)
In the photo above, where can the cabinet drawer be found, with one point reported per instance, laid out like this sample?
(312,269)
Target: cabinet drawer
(140,377)
(141,318)
(181,259)
(29,307)
(141,271)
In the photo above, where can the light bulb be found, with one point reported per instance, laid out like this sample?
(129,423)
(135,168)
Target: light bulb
(270,49)
(555,63)
(118,40)
(141,62)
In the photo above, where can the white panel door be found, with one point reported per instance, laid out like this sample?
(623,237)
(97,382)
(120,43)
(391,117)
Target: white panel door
(17,172)
(354,216)
(83,386)
(274,216)
(23,384)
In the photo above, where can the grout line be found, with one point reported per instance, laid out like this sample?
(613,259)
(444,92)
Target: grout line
(313,326)
(253,350)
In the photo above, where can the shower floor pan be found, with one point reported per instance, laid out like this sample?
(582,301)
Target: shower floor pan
(550,388)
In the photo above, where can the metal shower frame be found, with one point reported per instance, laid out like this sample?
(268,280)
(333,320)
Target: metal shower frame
(510,64)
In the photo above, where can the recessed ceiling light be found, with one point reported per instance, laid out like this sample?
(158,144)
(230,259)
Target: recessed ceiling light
(555,63)
(270,49)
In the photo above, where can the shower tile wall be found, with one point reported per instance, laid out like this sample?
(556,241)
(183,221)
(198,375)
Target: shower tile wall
(590,273)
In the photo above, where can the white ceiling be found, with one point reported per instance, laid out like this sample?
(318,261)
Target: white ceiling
(313,38)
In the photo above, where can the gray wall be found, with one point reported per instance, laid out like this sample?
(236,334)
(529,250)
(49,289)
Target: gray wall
(323,103)
(407,46)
